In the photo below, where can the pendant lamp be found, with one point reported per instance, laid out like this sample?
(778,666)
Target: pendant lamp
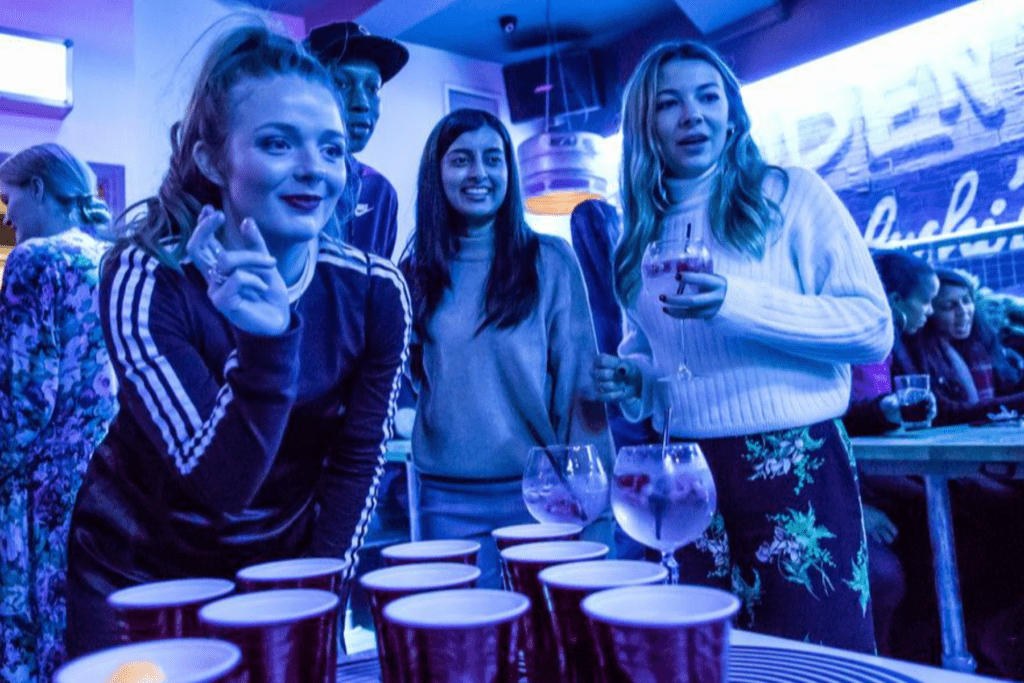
(560,169)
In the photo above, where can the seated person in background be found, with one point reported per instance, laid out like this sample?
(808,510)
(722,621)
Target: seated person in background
(258,356)
(910,285)
(361,64)
(1005,314)
(972,373)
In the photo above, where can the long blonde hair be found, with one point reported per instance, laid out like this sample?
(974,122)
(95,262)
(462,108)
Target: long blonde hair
(740,213)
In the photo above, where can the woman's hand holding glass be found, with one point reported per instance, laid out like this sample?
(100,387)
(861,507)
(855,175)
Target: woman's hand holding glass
(890,406)
(707,292)
(616,379)
(243,283)
(679,273)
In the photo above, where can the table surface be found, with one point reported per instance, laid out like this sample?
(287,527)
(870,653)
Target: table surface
(988,443)
(925,674)
(362,667)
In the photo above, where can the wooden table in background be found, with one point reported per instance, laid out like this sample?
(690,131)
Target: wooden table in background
(941,454)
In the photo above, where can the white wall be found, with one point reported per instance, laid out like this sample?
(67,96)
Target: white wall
(103,116)
(133,66)
(171,40)
(135,63)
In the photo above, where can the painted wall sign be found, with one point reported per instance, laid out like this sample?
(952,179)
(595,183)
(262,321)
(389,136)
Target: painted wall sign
(920,131)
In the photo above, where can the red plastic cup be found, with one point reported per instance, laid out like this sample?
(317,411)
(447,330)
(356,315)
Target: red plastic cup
(565,587)
(519,534)
(661,633)
(524,564)
(384,586)
(184,660)
(454,636)
(445,550)
(286,636)
(165,609)
(508,536)
(323,573)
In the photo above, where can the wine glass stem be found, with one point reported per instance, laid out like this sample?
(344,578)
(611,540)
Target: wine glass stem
(668,558)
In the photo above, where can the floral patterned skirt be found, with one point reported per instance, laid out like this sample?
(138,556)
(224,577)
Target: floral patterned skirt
(788,538)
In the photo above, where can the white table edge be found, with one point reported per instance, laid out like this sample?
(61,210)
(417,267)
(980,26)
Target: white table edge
(925,674)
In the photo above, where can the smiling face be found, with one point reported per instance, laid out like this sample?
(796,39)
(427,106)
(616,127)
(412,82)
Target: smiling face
(691,116)
(918,305)
(474,172)
(359,84)
(954,311)
(284,158)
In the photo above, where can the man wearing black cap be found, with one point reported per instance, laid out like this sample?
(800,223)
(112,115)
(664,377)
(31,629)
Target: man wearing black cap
(361,63)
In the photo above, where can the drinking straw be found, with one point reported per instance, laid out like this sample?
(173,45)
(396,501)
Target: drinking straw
(565,482)
(659,500)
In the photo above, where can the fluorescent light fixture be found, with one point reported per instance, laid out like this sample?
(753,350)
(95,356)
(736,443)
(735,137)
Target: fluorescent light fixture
(36,74)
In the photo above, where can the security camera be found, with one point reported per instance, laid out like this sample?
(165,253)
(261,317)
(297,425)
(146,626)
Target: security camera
(508,23)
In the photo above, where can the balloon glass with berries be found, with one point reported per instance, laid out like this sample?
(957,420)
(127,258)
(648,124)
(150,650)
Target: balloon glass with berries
(662,267)
(663,496)
(565,484)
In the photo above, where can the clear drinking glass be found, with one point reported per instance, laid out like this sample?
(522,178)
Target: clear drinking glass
(565,484)
(662,267)
(914,395)
(663,496)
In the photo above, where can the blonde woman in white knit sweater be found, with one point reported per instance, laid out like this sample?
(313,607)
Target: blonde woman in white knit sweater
(769,337)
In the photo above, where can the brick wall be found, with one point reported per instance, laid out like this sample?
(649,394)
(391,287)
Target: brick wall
(923,141)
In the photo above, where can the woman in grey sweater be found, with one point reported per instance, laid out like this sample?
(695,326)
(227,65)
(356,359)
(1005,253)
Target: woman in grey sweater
(503,337)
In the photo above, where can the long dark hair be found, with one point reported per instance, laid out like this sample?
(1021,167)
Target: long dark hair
(513,283)
(167,220)
(900,272)
(740,214)
(982,345)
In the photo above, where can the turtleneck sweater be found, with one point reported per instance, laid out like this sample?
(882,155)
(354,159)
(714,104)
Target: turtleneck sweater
(777,353)
(486,398)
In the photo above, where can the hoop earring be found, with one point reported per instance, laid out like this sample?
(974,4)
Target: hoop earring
(899,319)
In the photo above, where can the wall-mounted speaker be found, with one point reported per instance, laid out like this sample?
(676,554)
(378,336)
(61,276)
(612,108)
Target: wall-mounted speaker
(574,85)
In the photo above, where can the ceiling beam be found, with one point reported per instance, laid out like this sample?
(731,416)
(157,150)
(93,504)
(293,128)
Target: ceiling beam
(757,21)
(709,17)
(394,17)
(318,13)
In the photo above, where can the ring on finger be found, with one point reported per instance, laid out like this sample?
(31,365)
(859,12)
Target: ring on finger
(216,277)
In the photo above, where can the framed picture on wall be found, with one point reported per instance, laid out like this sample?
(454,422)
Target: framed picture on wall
(457,97)
(109,184)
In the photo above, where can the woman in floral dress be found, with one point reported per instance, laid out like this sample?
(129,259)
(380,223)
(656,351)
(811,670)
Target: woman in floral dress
(768,338)
(57,394)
